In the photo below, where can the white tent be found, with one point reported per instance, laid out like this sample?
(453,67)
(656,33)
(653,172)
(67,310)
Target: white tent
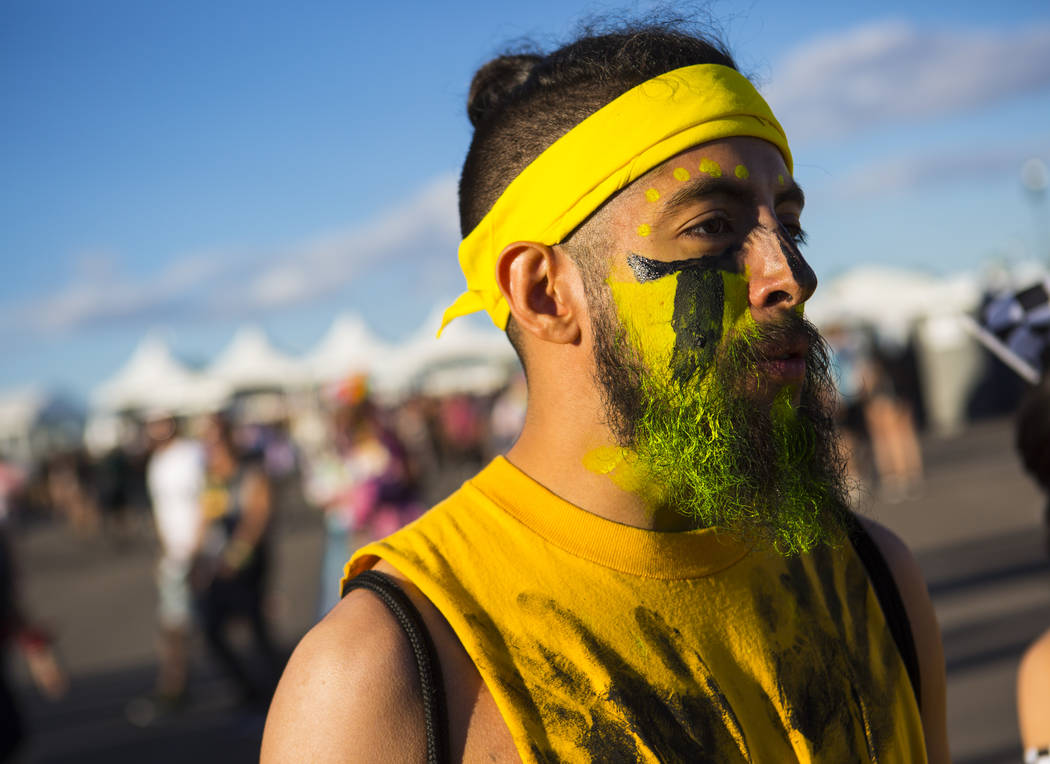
(153,379)
(33,422)
(891,299)
(346,348)
(250,362)
(458,354)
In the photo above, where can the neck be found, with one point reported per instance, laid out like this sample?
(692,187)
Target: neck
(566,447)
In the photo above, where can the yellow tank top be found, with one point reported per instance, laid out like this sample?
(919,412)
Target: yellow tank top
(602,642)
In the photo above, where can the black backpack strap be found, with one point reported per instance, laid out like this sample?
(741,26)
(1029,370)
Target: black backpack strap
(434,711)
(889,597)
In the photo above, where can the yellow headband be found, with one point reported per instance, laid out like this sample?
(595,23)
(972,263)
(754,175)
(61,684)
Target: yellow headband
(606,152)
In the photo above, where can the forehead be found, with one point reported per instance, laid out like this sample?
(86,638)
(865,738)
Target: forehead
(755,164)
(750,160)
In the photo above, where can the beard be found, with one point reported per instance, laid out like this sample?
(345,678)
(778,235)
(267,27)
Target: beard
(718,451)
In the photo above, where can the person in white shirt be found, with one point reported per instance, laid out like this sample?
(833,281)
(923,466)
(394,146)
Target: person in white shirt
(175,479)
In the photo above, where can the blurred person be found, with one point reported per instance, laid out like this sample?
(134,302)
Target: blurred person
(415,432)
(848,352)
(1033,676)
(232,562)
(364,482)
(115,484)
(174,481)
(33,641)
(71,492)
(461,429)
(890,421)
(280,457)
(664,566)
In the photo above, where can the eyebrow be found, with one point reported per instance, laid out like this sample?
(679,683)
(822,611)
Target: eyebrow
(708,186)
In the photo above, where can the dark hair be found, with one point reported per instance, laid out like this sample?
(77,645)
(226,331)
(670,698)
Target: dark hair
(1033,440)
(521,103)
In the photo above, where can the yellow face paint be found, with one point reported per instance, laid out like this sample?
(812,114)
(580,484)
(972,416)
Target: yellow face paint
(652,195)
(622,467)
(711,167)
(644,229)
(680,173)
(736,313)
(646,311)
(780,180)
(741,172)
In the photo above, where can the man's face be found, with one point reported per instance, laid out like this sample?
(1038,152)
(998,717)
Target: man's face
(706,246)
(713,381)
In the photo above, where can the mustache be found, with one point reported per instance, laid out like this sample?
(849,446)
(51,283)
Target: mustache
(790,335)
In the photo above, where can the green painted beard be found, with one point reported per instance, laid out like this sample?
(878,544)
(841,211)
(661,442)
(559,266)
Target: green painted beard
(765,472)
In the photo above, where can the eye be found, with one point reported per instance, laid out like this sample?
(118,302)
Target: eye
(718,225)
(796,233)
(789,222)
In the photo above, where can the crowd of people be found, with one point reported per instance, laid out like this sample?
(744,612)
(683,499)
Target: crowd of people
(208,492)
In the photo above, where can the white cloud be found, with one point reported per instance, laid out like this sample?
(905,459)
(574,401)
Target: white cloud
(199,285)
(894,71)
(100,293)
(422,227)
(912,172)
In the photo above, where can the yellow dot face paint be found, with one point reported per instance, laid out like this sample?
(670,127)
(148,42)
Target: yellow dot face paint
(652,195)
(680,173)
(711,167)
(644,229)
(741,172)
(780,180)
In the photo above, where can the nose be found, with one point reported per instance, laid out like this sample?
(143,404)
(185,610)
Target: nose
(778,276)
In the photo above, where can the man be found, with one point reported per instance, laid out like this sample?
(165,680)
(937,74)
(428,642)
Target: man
(662,568)
(174,479)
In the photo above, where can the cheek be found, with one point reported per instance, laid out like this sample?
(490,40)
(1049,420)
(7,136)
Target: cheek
(646,310)
(676,321)
(736,312)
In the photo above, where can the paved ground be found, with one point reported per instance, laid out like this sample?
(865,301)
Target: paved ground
(977,533)
(975,528)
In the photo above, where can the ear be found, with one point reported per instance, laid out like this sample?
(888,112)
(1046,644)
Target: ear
(543,289)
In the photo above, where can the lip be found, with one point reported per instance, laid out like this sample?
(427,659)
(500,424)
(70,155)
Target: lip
(784,371)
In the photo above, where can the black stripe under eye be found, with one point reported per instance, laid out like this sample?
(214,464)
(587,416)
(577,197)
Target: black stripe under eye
(646,269)
(650,270)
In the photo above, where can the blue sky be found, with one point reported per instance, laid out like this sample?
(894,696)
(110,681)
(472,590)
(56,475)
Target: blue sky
(182,168)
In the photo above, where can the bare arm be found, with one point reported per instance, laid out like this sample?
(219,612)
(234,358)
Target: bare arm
(927,635)
(255,509)
(349,692)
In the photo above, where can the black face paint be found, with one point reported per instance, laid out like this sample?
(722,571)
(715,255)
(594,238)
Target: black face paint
(800,269)
(698,306)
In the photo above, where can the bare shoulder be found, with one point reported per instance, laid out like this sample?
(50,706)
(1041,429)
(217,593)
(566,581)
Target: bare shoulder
(925,631)
(349,691)
(1033,693)
(898,556)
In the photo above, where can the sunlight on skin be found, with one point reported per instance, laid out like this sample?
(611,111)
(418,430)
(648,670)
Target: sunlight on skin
(646,311)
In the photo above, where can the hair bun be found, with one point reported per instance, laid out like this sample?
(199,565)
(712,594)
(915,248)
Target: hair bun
(494,81)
